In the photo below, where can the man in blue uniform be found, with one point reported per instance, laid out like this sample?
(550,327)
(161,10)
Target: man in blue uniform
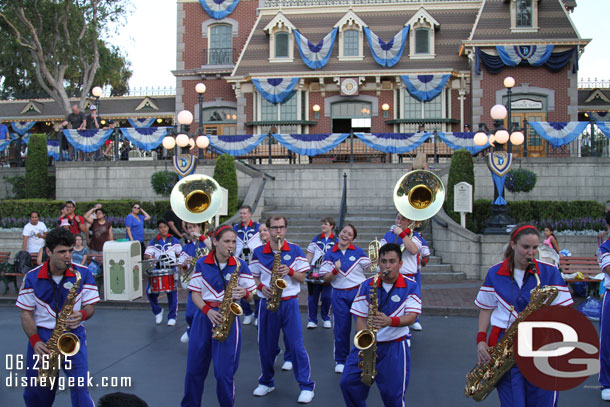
(247,240)
(603,258)
(398,306)
(41,299)
(287,317)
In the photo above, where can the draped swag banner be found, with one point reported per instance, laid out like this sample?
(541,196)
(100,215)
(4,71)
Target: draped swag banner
(310,144)
(597,116)
(398,143)
(275,90)
(315,56)
(3,131)
(559,133)
(22,127)
(425,87)
(142,122)
(457,141)
(53,149)
(87,140)
(236,145)
(145,138)
(513,55)
(387,54)
(555,61)
(219,9)
(604,127)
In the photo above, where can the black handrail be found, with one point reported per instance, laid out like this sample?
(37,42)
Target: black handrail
(343,208)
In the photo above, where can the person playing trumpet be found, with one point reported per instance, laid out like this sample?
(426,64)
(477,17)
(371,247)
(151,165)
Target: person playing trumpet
(398,306)
(208,283)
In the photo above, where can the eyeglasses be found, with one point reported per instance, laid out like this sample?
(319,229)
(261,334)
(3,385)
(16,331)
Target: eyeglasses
(136,207)
(277,227)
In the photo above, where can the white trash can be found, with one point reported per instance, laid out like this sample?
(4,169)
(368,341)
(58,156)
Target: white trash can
(122,271)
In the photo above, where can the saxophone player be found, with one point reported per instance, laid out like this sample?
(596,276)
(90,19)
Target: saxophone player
(248,238)
(210,280)
(291,264)
(41,298)
(398,304)
(504,294)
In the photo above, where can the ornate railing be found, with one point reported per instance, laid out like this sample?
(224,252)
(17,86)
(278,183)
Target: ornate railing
(593,83)
(218,56)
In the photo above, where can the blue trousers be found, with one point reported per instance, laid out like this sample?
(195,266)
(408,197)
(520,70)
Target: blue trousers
(245,305)
(342,303)
(604,346)
(418,281)
(191,309)
(515,391)
(172,302)
(315,291)
(44,396)
(203,349)
(287,319)
(393,371)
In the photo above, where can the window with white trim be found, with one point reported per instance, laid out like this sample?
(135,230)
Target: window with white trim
(220,45)
(350,37)
(524,15)
(415,109)
(281,39)
(279,111)
(351,42)
(422,41)
(421,35)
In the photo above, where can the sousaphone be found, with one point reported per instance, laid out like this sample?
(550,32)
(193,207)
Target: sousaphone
(419,195)
(196,198)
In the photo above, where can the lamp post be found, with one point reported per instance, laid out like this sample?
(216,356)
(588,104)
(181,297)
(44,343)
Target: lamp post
(385,107)
(97,93)
(200,89)
(316,111)
(183,138)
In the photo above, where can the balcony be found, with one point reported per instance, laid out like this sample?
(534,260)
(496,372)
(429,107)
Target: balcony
(219,56)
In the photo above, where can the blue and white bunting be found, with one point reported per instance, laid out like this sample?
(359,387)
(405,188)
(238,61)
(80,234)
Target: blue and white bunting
(236,145)
(425,87)
(87,140)
(559,133)
(398,143)
(457,141)
(219,9)
(597,116)
(53,149)
(387,53)
(275,90)
(25,138)
(22,127)
(3,132)
(5,143)
(604,127)
(142,123)
(535,55)
(315,56)
(310,144)
(145,138)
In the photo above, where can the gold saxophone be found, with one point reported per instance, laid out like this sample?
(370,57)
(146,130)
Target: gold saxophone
(228,308)
(366,340)
(277,283)
(61,343)
(482,379)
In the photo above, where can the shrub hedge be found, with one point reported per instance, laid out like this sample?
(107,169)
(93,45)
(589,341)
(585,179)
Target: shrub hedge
(36,168)
(520,180)
(461,170)
(163,182)
(226,176)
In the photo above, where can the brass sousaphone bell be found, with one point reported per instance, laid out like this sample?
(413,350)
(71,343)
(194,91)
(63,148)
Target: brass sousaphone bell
(196,198)
(419,195)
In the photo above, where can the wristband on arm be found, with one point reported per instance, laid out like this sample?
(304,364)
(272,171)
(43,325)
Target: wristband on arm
(290,272)
(395,322)
(260,286)
(335,271)
(84,314)
(34,339)
(405,233)
(206,308)
(481,337)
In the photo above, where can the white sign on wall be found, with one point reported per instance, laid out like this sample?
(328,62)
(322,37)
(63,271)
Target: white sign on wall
(462,200)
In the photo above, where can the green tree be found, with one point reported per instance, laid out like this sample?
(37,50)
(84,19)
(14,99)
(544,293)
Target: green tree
(461,170)
(54,46)
(36,168)
(226,175)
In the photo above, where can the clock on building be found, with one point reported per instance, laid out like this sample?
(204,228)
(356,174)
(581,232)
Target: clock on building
(349,86)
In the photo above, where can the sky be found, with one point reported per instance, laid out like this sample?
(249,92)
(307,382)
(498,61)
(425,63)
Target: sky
(149,41)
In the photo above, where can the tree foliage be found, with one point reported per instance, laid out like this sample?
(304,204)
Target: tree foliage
(461,170)
(36,168)
(54,46)
(226,176)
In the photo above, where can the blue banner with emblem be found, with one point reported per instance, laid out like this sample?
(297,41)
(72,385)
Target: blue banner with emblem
(387,54)
(185,164)
(499,163)
(315,56)
(219,9)
(535,55)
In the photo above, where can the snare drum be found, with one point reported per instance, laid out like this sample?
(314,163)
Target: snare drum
(162,281)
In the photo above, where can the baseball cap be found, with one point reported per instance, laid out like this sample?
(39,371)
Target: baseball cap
(92,107)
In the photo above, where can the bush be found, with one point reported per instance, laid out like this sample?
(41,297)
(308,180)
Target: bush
(226,175)
(18,186)
(520,180)
(461,170)
(163,181)
(36,168)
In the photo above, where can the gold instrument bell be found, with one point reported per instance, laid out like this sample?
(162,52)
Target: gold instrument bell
(196,198)
(419,195)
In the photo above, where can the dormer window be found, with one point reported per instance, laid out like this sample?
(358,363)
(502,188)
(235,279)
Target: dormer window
(421,35)
(524,16)
(351,37)
(281,39)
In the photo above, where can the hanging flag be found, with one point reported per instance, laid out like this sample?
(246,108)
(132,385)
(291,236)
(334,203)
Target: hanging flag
(315,56)
(499,163)
(394,142)
(87,140)
(425,87)
(219,9)
(22,127)
(387,53)
(559,133)
(535,55)
(145,138)
(53,149)
(236,145)
(275,90)
(310,144)
(457,141)
(141,123)
(604,127)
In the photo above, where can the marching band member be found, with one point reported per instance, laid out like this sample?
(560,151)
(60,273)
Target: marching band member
(344,267)
(287,317)
(198,243)
(422,260)
(398,306)
(41,298)
(248,239)
(315,255)
(208,285)
(603,258)
(504,294)
(166,248)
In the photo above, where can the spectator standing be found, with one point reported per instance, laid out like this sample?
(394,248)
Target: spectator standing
(75,223)
(79,255)
(134,224)
(176,225)
(100,228)
(33,234)
(76,120)
(93,121)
